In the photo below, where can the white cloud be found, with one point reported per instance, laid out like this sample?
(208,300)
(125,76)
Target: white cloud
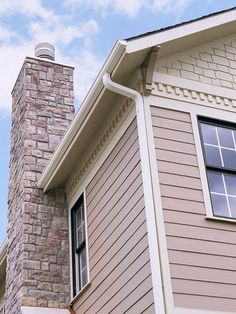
(6,34)
(131,7)
(11,59)
(87,65)
(168,6)
(25,7)
(44,25)
(60,31)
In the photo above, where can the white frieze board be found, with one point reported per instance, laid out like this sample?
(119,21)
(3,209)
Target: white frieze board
(105,138)
(169,86)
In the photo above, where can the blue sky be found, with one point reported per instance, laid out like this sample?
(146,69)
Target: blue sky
(83,32)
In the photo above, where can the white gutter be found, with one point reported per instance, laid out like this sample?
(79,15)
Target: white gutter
(72,133)
(147,187)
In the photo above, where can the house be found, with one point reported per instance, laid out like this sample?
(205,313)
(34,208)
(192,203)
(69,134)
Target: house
(133,209)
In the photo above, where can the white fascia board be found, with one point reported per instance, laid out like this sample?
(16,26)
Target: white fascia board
(184,30)
(116,54)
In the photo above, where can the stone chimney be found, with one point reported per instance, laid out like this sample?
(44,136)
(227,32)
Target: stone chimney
(38,257)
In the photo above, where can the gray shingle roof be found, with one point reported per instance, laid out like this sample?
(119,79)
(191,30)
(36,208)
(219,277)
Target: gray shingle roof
(180,24)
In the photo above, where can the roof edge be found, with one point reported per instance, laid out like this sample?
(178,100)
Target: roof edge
(181,30)
(47,176)
(112,63)
(180,24)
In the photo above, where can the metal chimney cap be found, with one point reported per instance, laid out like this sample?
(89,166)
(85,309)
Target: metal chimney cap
(44,50)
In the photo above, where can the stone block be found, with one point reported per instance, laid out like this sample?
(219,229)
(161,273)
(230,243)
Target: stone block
(31,264)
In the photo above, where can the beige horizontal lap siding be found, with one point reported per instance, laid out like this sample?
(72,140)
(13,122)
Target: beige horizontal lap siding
(201,252)
(117,235)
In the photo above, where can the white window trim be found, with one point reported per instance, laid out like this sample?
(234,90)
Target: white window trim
(74,298)
(202,168)
(163,251)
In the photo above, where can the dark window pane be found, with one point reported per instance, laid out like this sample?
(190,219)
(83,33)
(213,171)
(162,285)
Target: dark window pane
(83,258)
(215,181)
(209,134)
(213,156)
(79,216)
(83,268)
(219,204)
(219,145)
(225,137)
(230,182)
(84,277)
(80,234)
(232,204)
(79,246)
(229,158)
(82,212)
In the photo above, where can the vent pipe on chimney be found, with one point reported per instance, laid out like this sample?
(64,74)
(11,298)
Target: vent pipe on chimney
(44,50)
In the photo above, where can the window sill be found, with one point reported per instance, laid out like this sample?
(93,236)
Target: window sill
(80,293)
(220,219)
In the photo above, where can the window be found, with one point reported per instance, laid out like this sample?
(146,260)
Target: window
(219,148)
(78,246)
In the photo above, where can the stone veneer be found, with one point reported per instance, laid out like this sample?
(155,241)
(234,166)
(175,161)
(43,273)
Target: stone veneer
(38,257)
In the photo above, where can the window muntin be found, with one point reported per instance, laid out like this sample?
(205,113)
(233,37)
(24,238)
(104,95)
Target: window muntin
(219,147)
(79,246)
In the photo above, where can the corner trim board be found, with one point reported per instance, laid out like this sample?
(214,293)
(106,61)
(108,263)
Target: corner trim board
(147,189)
(163,251)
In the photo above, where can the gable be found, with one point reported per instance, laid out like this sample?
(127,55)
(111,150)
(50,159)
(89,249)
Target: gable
(127,56)
(212,63)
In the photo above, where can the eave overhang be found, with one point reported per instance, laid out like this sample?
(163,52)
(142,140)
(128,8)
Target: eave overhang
(201,30)
(125,57)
